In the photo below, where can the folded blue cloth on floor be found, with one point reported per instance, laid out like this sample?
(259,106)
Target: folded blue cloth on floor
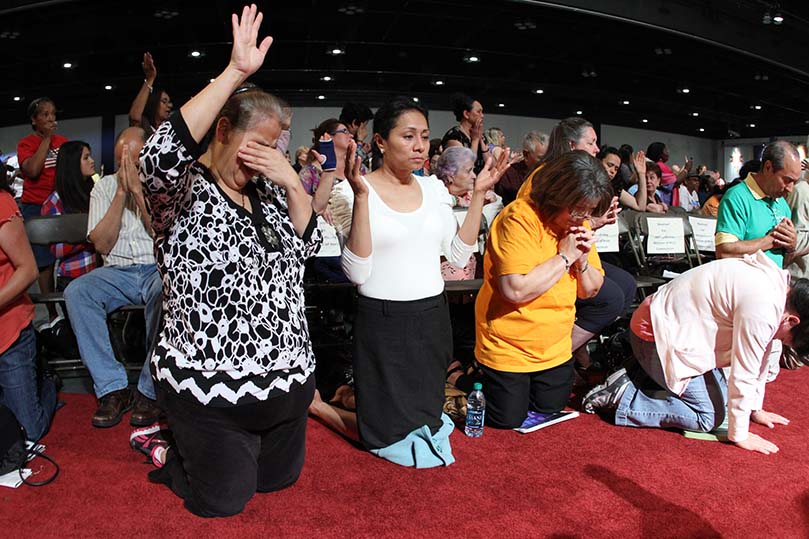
(421,448)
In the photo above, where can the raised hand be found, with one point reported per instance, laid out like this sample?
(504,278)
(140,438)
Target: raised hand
(352,171)
(584,238)
(784,235)
(149,69)
(128,173)
(492,171)
(609,217)
(268,162)
(246,57)
(639,160)
(476,133)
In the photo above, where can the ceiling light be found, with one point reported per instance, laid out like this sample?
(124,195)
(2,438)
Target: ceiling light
(501,105)
(67,65)
(416,99)
(579,112)
(778,18)
(695,114)
(471,59)
(625,102)
(9,34)
(321,97)
(685,90)
(108,87)
(438,82)
(766,19)
(701,129)
(539,91)
(751,125)
(525,25)
(336,51)
(757,107)
(350,9)
(166,14)
(195,54)
(645,121)
(17,98)
(211,80)
(326,78)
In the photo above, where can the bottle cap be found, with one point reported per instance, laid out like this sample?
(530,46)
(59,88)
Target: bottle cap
(477,386)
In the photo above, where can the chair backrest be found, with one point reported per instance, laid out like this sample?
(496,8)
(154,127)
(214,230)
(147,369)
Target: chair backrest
(47,229)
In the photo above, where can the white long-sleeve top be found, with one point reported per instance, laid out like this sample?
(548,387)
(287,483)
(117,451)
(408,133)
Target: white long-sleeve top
(725,313)
(405,247)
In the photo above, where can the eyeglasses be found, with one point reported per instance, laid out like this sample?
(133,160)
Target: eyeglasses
(579,216)
(342,131)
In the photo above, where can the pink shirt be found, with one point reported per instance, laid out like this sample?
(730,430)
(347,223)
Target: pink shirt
(724,313)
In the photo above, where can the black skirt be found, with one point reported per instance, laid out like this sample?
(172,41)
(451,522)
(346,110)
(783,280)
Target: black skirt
(401,353)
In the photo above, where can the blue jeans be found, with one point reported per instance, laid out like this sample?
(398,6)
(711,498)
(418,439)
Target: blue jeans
(90,298)
(32,405)
(42,253)
(647,403)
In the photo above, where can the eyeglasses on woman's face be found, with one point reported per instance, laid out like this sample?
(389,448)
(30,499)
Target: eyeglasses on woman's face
(342,131)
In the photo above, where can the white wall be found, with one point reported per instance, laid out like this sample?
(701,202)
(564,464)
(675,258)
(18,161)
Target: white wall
(703,150)
(86,129)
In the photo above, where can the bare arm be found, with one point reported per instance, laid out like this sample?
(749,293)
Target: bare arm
(32,167)
(491,173)
(739,248)
(14,243)
(139,103)
(105,234)
(359,239)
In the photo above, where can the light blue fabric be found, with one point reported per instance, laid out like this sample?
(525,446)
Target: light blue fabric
(420,448)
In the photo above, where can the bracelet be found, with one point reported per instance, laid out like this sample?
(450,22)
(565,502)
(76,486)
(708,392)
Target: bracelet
(581,270)
(566,259)
(148,86)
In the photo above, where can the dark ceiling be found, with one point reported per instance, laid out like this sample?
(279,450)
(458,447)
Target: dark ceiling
(585,55)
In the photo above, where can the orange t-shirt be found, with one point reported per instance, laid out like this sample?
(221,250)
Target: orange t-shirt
(15,316)
(535,335)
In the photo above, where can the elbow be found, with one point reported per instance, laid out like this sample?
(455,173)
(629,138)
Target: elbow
(513,294)
(31,274)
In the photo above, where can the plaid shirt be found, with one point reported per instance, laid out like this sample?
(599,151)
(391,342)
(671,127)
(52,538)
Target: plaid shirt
(75,259)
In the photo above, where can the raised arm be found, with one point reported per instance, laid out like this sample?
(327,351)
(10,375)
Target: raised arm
(139,103)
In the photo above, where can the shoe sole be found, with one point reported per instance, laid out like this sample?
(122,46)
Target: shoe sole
(112,422)
(601,387)
(143,422)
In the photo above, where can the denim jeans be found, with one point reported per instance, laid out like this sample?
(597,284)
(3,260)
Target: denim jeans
(33,405)
(90,298)
(647,403)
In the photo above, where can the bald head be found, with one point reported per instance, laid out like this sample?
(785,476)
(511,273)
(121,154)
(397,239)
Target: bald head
(134,137)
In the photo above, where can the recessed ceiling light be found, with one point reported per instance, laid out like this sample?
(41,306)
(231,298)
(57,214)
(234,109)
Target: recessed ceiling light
(17,98)
(321,97)
(757,107)
(108,87)
(579,112)
(471,59)
(701,129)
(695,114)
(438,82)
(501,105)
(166,13)
(67,65)
(326,78)
(539,91)
(751,125)
(645,121)
(625,102)
(777,18)
(416,99)
(336,51)
(685,91)
(211,80)
(195,54)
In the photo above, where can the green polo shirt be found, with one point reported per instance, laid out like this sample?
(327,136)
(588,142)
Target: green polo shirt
(746,213)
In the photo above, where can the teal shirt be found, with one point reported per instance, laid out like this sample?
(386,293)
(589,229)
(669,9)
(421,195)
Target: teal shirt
(748,216)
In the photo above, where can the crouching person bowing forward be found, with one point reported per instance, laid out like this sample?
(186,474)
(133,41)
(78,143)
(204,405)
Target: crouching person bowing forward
(233,362)
(540,257)
(723,314)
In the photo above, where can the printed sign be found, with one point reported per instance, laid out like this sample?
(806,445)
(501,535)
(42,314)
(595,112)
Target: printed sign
(704,232)
(665,236)
(607,238)
(330,245)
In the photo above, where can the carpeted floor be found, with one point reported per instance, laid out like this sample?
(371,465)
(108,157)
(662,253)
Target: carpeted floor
(582,478)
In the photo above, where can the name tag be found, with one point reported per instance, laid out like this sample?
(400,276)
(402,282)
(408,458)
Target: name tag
(607,238)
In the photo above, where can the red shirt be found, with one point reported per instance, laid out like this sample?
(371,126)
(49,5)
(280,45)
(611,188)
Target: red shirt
(36,190)
(15,316)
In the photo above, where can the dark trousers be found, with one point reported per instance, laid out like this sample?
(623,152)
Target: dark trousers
(222,456)
(510,395)
(613,300)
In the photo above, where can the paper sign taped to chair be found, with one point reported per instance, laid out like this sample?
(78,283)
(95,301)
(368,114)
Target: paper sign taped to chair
(460,215)
(704,232)
(666,236)
(607,238)
(330,245)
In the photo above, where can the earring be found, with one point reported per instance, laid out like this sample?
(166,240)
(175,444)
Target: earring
(382,151)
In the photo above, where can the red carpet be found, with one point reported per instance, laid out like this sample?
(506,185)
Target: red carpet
(583,478)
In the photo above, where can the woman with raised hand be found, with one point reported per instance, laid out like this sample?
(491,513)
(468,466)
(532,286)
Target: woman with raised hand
(151,107)
(397,227)
(233,362)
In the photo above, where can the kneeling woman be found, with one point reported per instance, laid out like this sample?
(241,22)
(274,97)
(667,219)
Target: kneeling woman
(233,362)
(400,225)
(539,258)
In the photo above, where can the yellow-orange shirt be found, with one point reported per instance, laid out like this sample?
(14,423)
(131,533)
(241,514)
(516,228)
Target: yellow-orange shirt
(531,336)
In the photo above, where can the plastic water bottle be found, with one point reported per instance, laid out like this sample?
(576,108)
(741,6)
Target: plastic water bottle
(475,412)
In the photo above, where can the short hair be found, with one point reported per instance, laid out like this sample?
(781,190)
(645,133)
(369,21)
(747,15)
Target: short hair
(451,160)
(33,107)
(568,130)
(798,303)
(655,151)
(355,112)
(532,138)
(326,126)
(776,153)
(388,114)
(248,105)
(654,167)
(754,165)
(608,150)
(574,178)
(461,103)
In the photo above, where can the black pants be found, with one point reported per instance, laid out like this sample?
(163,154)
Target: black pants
(222,456)
(509,395)
(401,353)
(613,300)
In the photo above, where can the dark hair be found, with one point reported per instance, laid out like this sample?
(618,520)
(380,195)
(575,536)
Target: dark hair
(754,165)
(776,153)
(153,105)
(355,112)
(626,151)
(654,167)
(5,179)
(33,107)
(567,131)
(388,114)
(435,147)
(461,103)
(566,182)
(326,126)
(655,151)
(608,150)
(798,303)
(73,188)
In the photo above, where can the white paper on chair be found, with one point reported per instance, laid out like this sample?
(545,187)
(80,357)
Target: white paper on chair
(665,236)
(460,215)
(607,238)
(330,245)
(704,232)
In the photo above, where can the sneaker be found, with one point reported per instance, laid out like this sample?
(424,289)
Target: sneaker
(150,441)
(607,395)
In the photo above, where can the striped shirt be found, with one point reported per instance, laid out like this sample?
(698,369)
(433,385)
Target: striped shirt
(134,245)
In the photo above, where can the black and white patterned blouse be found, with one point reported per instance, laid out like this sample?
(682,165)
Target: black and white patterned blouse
(234,330)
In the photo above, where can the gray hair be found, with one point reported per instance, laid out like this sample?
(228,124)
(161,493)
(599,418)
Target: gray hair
(532,139)
(249,105)
(776,153)
(451,160)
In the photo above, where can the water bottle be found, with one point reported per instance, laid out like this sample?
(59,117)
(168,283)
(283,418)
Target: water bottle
(475,412)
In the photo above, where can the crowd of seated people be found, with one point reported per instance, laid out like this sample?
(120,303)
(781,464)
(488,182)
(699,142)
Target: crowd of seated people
(230,370)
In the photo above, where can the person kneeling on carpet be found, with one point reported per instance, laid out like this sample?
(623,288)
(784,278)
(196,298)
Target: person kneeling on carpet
(727,313)
(233,226)
(540,257)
